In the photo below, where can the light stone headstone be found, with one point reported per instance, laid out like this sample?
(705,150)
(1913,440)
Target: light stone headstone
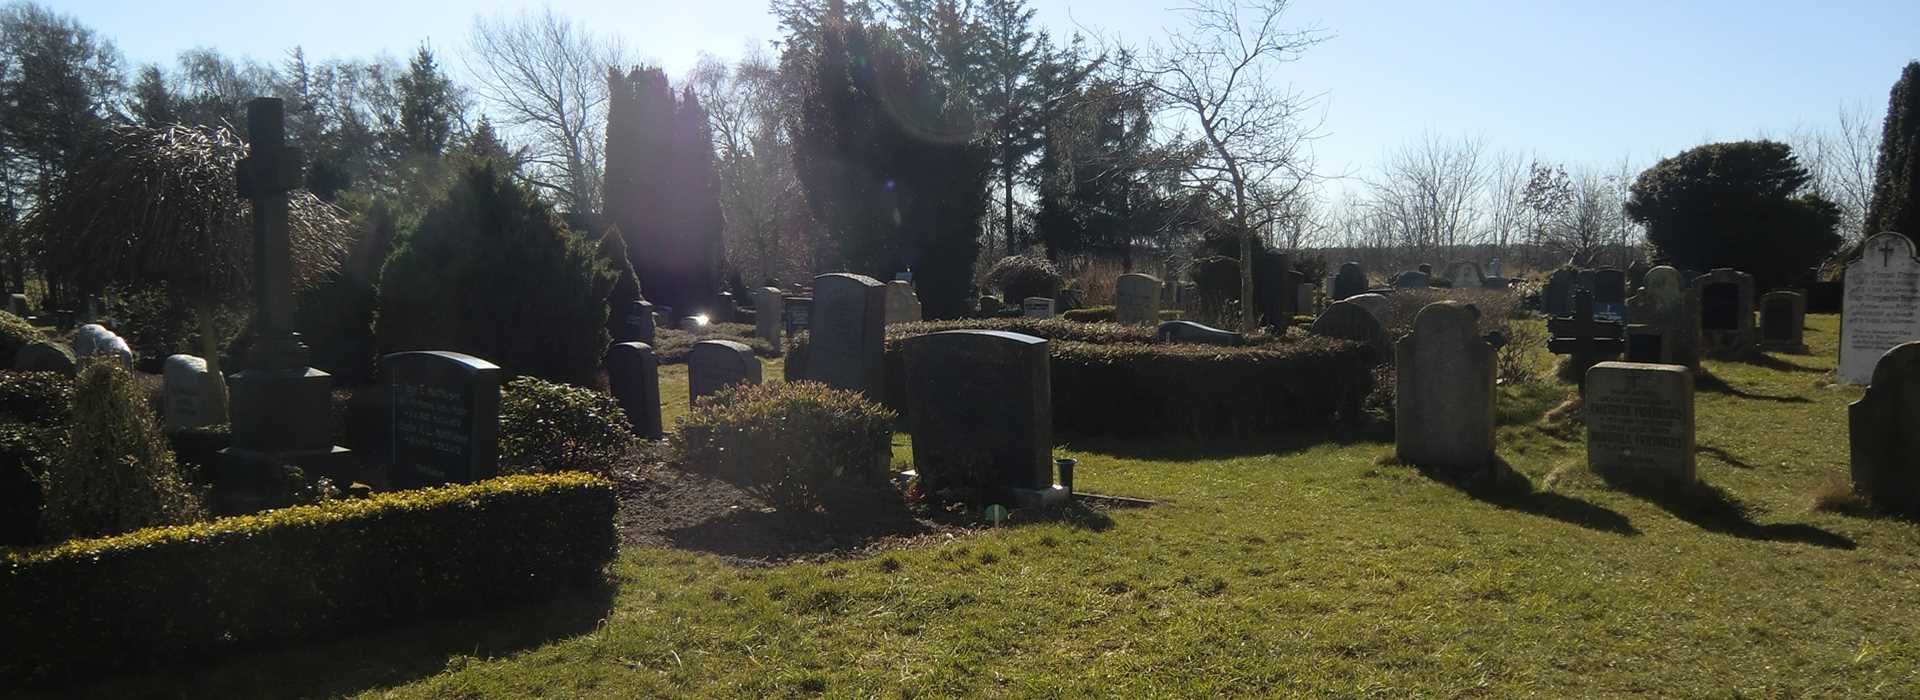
(1725,300)
(1036,307)
(1376,304)
(713,365)
(1303,300)
(1664,323)
(89,338)
(17,305)
(1493,268)
(1464,274)
(185,384)
(1444,394)
(1881,306)
(769,314)
(1136,299)
(1883,432)
(634,375)
(1640,420)
(1783,317)
(980,407)
(444,417)
(903,305)
(849,333)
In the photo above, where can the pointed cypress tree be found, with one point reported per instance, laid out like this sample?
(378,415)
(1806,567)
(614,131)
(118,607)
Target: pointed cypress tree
(1896,181)
(696,205)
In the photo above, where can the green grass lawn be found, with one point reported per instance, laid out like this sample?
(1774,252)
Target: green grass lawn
(1268,569)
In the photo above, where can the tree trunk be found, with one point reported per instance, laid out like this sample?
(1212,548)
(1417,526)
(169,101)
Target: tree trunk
(1249,313)
(210,348)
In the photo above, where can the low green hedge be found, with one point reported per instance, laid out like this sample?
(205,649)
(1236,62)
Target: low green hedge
(298,574)
(796,444)
(1114,380)
(1103,314)
(670,347)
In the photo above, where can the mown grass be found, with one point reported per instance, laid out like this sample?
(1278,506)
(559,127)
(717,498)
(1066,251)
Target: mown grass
(1278,569)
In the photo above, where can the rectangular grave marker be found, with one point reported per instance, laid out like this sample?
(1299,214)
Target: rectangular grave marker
(1640,420)
(444,415)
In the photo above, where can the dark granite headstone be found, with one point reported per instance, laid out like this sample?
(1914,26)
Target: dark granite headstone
(1883,432)
(713,365)
(1556,298)
(848,331)
(980,406)
(1195,333)
(1351,280)
(445,417)
(1725,299)
(634,375)
(1783,321)
(1644,344)
(799,313)
(1271,290)
(1412,279)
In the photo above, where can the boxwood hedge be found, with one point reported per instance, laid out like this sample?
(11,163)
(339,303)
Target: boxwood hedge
(1113,379)
(298,574)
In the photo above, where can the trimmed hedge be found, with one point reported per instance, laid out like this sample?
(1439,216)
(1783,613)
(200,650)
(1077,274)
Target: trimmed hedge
(1110,379)
(298,574)
(15,333)
(796,444)
(1105,314)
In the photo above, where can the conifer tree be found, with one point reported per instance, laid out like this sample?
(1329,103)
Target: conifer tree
(1896,182)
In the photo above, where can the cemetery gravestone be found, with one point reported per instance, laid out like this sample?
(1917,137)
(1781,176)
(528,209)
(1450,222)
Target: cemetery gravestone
(1725,300)
(1881,307)
(1272,289)
(1665,325)
(849,328)
(89,340)
(724,308)
(445,416)
(1556,299)
(1303,299)
(1883,432)
(1640,420)
(1586,340)
(1036,307)
(799,312)
(1444,400)
(980,407)
(903,306)
(769,314)
(1609,294)
(1376,304)
(713,365)
(1136,299)
(1412,279)
(17,305)
(1349,281)
(1783,318)
(634,375)
(1066,300)
(1425,269)
(1196,333)
(1493,268)
(991,306)
(1350,321)
(1465,275)
(185,383)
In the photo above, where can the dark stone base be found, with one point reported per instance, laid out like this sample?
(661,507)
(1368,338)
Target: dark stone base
(246,481)
(282,410)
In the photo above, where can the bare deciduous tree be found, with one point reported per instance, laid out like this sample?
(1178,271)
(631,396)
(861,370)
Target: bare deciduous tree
(1842,164)
(547,78)
(1218,76)
(767,233)
(1429,192)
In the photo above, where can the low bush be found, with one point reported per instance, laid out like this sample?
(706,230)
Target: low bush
(1021,276)
(15,333)
(797,445)
(34,413)
(299,574)
(38,398)
(1104,314)
(547,427)
(115,473)
(670,347)
(1113,379)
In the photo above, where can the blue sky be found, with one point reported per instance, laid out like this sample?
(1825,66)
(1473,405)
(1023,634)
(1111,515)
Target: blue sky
(1575,82)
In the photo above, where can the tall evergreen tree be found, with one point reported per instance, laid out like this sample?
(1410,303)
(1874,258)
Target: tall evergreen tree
(889,162)
(659,189)
(696,205)
(1896,182)
(152,103)
(429,107)
(1025,82)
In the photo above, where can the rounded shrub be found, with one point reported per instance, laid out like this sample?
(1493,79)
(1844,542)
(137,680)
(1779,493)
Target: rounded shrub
(491,271)
(547,427)
(797,445)
(115,473)
(1020,276)
(15,333)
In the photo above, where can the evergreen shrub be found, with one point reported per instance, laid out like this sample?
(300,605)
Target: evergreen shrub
(547,428)
(797,445)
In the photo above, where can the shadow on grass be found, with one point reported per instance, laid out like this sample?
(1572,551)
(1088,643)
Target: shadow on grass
(1722,455)
(1711,508)
(369,661)
(1186,449)
(1502,486)
(1767,361)
(1706,381)
(773,535)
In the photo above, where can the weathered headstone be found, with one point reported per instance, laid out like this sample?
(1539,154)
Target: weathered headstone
(980,406)
(1351,321)
(1036,307)
(991,306)
(724,308)
(1783,316)
(634,375)
(1556,298)
(45,356)
(1065,300)
(799,312)
(1412,279)
(1351,280)
(1376,304)
(1444,395)
(634,322)
(1883,431)
(1493,268)
(1609,294)
(1196,333)
(17,305)
(184,386)
(903,305)
(849,331)
(1637,276)
(1464,274)
(1881,307)
(1725,299)
(1136,299)
(713,365)
(1665,326)
(1303,299)
(445,413)
(769,314)
(90,339)
(1640,420)
(281,408)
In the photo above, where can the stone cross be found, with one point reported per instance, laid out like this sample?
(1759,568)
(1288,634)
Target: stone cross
(1582,336)
(270,169)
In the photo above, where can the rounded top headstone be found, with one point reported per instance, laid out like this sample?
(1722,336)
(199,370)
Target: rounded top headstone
(1446,320)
